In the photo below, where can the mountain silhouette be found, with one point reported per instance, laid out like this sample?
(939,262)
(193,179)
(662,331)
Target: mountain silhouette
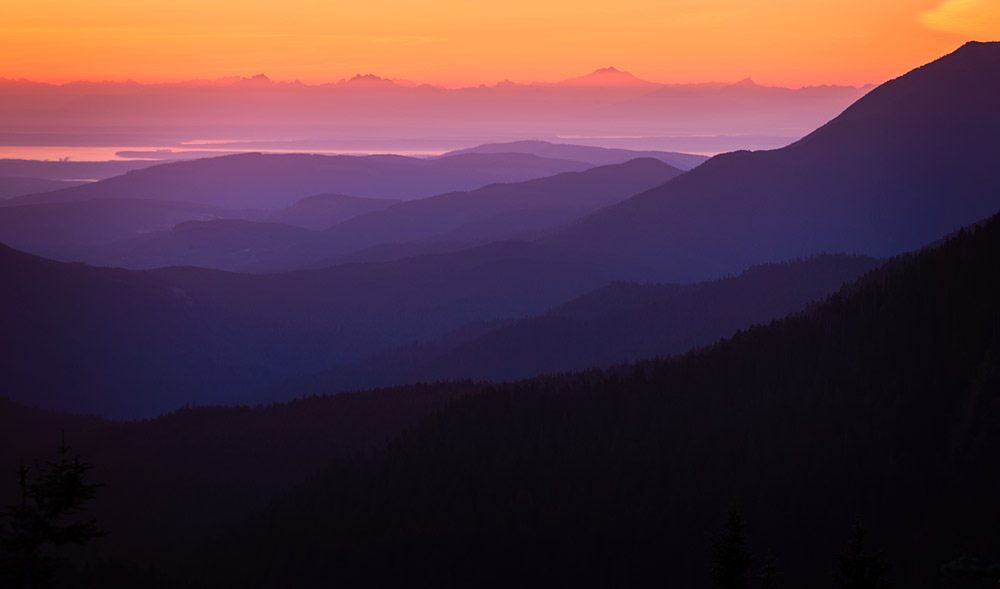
(369,81)
(270,181)
(69,230)
(597,156)
(906,164)
(608,76)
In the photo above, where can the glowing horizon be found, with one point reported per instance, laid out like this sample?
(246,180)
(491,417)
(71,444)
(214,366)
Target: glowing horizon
(223,80)
(458,44)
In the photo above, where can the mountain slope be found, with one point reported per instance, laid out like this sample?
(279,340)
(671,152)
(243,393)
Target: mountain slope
(903,166)
(98,340)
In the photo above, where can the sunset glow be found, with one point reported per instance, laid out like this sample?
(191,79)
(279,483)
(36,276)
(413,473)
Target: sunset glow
(458,43)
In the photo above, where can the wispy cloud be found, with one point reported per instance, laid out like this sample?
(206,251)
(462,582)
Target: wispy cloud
(965,17)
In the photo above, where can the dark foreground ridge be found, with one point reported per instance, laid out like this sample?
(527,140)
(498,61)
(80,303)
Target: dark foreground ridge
(882,402)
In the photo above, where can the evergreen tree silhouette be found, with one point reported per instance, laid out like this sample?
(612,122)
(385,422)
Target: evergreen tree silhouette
(856,568)
(731,569)
(768,576)
(45,515)
(972,570)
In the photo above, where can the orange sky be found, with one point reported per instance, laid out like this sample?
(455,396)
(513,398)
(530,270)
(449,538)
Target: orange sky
(463,42)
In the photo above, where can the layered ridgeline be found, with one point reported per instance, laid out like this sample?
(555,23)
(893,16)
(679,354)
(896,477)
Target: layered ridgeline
(216,336)
(126,343)
(303,191)
(75,230)
(454,220)
(613,324)
(129,343)
(911,161)
(904,165)
(883,401)
(247,212)
(255,180)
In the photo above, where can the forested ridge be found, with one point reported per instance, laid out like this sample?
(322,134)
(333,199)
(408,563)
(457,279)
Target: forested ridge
(882,402)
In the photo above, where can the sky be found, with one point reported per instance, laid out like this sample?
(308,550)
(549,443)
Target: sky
(462,43)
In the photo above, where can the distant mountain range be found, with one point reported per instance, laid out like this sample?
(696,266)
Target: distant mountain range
(369,114)
(603,76)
